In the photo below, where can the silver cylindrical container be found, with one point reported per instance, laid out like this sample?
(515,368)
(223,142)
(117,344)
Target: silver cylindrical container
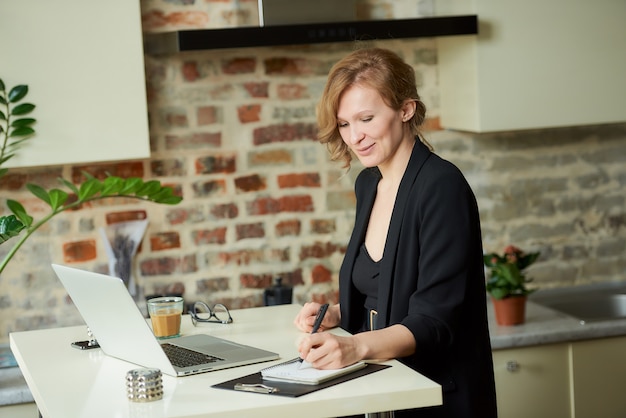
(144,385)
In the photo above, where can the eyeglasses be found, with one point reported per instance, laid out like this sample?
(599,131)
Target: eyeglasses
(201,312)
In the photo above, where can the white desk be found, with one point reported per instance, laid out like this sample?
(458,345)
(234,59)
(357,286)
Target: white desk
(66,382)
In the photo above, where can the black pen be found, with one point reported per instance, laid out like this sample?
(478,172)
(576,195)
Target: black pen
(319,318)
(318,321)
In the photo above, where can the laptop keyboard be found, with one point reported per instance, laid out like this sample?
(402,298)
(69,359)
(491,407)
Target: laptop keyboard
(183,357)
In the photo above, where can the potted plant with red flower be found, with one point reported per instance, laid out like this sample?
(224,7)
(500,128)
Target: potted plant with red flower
(507,282)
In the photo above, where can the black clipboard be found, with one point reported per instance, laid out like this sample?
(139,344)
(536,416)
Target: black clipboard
(290,389)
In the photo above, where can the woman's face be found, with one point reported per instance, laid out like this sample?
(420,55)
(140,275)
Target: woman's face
(373,130)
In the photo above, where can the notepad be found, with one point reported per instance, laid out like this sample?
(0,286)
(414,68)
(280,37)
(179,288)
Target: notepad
(297,372)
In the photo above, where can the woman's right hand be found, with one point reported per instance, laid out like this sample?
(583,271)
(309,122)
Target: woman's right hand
(306,317)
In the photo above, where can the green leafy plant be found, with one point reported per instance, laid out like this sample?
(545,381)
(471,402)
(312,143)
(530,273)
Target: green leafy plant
(14,130)
(506,272)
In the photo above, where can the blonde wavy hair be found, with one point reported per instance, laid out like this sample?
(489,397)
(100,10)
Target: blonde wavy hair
(377,68)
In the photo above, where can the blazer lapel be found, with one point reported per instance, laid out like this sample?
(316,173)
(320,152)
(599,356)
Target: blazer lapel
(419,155)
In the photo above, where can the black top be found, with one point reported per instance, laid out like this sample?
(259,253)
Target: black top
(365,277)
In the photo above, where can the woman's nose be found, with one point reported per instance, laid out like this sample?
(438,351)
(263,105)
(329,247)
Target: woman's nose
(356,135)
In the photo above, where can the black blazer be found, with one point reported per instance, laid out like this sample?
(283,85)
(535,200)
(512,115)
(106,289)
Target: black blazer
(431,280)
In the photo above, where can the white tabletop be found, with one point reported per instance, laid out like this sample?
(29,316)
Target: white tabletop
(67,382)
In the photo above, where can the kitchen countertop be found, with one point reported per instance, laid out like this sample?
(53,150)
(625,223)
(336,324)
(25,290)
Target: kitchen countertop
(546,326)
(543,326)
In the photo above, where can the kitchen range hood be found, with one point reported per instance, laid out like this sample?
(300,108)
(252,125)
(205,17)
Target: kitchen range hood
(309,33)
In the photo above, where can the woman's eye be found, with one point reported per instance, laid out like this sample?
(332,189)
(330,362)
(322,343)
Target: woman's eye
(367,119)
(342,124)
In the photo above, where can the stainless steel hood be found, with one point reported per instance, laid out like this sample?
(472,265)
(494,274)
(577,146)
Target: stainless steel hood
(308,33)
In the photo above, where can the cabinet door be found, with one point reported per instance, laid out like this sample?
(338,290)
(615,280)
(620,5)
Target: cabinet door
(534,64)
(599,375)
(533,381)
(83,63)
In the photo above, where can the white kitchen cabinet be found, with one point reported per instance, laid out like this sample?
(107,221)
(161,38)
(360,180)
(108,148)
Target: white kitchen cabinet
(534,64)
(533,381)
(599,376)
(83,63)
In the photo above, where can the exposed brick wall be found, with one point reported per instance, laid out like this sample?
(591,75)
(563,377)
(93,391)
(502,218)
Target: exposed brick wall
(234,132)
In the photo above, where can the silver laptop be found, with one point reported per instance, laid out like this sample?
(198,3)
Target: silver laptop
(122,332)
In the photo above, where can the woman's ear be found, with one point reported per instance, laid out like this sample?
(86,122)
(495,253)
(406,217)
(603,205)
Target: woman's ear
(408,109)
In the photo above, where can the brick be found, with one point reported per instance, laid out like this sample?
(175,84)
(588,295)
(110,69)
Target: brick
(249,113)
(209,115)
(240,65)
(298,203)
(285,133)
(216,164)
(251,183)
(295,66)
(100,171)
(292,91)
(318,250)
(257,89)
(293,112)
(256,281)
(225,211)
(164,241)
(271,157)
(174,117)
(189,264)
(268,205)
(125,216)
(340,200)
(209,236)
(209,188)
(156,19)
(168,167)
(212,285)
(180,215)
(190,71)
(292,278)
(320,274)
(323,226)
(159,266)
(289,227)
(299,180)
(252,230)
(79,251)
(242,257)
(46,178)
(199,140)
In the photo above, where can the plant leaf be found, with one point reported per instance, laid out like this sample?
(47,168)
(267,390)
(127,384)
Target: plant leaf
(10,227)
(57,198)
(148,188)
(89,189)
(22,109)
(17,93)
(131,185)
(22,131)
(172,200)
(112,185)
(39,191)
(2,85)
(2,115)
(23,122)
(69,185)
(19,211)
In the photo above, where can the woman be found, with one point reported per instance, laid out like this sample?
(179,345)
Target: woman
(411,285)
